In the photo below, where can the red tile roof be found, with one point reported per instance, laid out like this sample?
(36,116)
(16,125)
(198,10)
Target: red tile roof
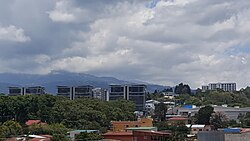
(30,122)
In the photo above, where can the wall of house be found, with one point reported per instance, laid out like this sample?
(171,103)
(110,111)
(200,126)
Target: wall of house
(237,137)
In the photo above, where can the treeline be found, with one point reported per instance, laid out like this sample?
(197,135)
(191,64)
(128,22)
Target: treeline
(82,113)
(217,97)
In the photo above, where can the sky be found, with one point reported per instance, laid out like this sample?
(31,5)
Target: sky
(158,41)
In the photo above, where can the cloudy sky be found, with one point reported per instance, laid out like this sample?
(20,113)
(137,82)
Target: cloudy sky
(158,41)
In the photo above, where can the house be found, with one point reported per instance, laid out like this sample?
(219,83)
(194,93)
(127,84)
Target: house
(137,135)
(120,126)
(199,127)
(141,129)
(30,122)
(121,136)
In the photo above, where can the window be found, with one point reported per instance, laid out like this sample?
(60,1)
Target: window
(200,129)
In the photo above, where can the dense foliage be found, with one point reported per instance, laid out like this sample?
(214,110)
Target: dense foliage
(182,89)
(83,113)
(204,114)
(178,133)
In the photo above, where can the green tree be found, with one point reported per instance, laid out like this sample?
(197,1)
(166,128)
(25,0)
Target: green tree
(160,111)
(84,136)
(11,128)
(245,120)
(219,120)
(204,114)
(182,89)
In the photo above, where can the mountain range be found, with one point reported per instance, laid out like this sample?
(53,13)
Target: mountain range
(52,80)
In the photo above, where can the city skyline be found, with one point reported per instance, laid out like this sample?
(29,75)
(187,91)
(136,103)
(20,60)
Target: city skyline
(157,41)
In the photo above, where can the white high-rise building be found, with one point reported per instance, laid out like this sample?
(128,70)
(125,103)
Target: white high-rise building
(230,87)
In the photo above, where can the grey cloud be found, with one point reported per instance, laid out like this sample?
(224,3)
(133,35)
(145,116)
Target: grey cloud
(170,43)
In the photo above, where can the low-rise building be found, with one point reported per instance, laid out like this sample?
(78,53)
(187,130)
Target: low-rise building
(137,135)
(119,126)
(198,128)
(229,134)
(230,112)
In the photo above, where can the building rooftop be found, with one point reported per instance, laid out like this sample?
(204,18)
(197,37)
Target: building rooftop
(118,134)
(141,128)
(30,122)
(154,132)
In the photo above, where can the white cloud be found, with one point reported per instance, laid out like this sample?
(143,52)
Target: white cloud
(11,33)
(65,12)
(190,41)
(166,44)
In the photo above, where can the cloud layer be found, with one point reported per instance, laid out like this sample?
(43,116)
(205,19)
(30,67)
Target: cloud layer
(160,41)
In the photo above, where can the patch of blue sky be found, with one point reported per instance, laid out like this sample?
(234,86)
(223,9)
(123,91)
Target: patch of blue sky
(245,48)
(152,4)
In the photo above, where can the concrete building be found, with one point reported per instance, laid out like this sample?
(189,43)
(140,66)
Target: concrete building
(230,87)
(224,136)
(120,126)
(196,128)
(65,91)
(204,88)
(26,90)
(100,93)
(230,112)
(83,91)
(135,93)
(75,92)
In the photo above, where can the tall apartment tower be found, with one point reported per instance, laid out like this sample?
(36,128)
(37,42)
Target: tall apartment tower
(75,92)
(135,93)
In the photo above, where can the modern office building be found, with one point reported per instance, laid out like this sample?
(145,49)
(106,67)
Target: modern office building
(65,91)
(230,87)
(135,93)
(75,92)
(26,90)
(16,91)
(83,91)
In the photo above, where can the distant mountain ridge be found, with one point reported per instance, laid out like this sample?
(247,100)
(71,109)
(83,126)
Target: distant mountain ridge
(52,80)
